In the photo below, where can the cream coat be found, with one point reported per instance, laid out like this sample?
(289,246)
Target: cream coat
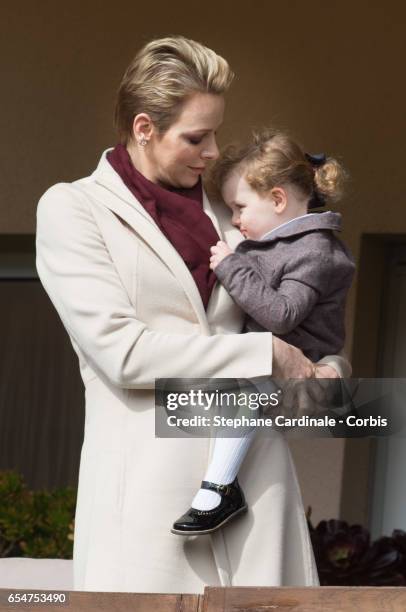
(134,314)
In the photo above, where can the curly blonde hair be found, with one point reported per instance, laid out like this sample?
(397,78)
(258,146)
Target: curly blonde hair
(274,159)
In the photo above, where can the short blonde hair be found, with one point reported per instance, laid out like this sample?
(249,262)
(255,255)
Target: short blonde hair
(273,159)
(161,77)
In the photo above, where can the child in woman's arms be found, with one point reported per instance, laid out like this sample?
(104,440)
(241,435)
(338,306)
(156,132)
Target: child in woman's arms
(291,276)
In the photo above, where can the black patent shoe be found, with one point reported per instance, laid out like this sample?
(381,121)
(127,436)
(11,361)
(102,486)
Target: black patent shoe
(200,522)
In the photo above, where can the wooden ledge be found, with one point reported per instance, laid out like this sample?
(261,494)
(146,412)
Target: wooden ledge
(236,599)
(305,599)
(86,601)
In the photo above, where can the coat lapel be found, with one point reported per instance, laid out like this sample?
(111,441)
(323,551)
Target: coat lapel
(209,212)
(221,301)
(128,208)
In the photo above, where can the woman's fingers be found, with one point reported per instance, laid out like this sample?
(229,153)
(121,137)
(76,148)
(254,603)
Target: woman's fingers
(300,397)
(325,371)
(296,400)
(304,402)
(306,396)
(289,362)
(288,398)
(315,391)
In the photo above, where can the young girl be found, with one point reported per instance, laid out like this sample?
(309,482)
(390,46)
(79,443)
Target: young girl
(291,276)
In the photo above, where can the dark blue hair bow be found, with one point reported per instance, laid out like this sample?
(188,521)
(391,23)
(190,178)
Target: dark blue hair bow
(317,200)
(316,159)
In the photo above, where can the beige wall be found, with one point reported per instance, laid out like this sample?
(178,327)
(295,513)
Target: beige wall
(331,72)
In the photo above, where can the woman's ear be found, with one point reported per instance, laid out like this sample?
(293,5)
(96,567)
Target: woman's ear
(142,128)
(278,195)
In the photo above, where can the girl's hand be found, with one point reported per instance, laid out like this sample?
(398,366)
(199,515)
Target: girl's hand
(218,253)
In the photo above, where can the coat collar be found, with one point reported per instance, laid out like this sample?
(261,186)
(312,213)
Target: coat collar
(107,183)
(106,176)
(302,225)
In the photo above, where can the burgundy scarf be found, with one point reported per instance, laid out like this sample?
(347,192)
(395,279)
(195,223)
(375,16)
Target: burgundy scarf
(179,215)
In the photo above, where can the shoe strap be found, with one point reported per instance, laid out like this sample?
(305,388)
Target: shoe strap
(221,489)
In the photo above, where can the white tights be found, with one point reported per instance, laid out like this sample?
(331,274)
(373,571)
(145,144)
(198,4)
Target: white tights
(228,456)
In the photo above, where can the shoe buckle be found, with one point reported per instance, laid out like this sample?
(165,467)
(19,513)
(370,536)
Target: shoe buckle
(224,489)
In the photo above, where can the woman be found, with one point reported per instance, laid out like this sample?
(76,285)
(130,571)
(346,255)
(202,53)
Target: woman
(124,256)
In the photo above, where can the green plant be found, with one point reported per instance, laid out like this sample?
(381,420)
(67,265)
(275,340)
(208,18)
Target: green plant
(35,523)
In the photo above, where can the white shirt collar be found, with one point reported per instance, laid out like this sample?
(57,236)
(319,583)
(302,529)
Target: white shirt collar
(269,234)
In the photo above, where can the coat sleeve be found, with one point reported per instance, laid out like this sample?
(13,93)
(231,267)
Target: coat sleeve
(278,309)
(79,276)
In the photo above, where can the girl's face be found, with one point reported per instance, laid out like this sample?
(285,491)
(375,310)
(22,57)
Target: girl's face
(179,156)
(253,214)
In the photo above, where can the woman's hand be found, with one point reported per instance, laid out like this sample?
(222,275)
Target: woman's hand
(293,371)
(289,362)
(218,253)
(325,371)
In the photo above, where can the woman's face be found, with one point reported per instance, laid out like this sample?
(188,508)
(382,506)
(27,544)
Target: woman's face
(180,155)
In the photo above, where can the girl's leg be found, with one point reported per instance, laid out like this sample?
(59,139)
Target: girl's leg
(226,461)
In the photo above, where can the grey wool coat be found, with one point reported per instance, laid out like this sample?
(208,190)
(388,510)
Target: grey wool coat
(294,283)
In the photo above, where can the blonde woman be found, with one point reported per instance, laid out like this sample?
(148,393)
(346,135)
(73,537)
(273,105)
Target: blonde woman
(124,256)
